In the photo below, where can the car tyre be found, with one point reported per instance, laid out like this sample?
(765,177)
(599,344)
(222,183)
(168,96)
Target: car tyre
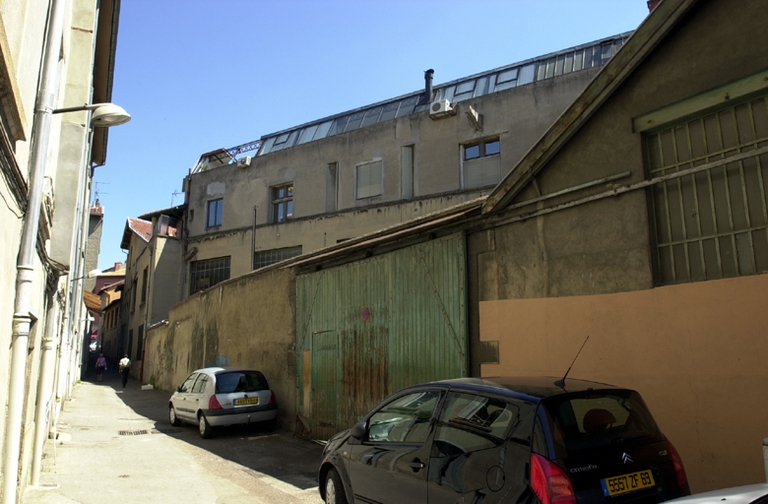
(334,490)
(206,431)
(172,418)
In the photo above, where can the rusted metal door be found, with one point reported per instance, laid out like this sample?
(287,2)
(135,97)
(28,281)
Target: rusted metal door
(368,328)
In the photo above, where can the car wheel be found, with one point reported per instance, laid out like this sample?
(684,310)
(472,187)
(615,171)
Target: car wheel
(206,430)
(172,418)
(334,491)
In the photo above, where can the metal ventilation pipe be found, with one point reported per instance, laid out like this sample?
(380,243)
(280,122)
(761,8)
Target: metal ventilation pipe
(428,85)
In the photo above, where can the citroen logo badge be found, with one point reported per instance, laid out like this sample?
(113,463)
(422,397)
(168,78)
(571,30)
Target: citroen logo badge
(626,458)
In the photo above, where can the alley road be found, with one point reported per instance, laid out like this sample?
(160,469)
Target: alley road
(115,445)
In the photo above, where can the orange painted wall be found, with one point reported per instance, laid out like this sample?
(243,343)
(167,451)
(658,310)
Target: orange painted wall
(697,353)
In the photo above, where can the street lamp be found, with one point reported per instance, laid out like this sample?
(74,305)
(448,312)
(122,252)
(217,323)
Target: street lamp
(104,114)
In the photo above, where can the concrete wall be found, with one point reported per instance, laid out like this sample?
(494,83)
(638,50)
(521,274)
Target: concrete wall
(696,353)
(516,116)
(248,321)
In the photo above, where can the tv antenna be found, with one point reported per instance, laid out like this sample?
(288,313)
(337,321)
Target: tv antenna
(174,194)
(97,192)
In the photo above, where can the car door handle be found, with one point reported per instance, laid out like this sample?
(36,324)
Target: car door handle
(417,465)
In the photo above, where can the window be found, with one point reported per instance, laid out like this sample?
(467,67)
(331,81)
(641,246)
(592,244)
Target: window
(134,286)
(144,286)
(711,223)
(368,179)
(189,382)
(130,342)
(199,386)
(215,211)
(207,273)
(470,423)
(481,164)
(282,202)
(266,257)
(404,420)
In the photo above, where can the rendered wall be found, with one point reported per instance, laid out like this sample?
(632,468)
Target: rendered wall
(248,321)
(696,353)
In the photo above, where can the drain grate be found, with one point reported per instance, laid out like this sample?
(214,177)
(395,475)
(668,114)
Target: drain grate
(131,432)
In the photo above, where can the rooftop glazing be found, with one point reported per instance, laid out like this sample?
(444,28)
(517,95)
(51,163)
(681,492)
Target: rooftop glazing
(517,74)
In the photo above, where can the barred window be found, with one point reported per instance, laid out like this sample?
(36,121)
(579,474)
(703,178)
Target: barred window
(207,273)
(711,223)
(266,257)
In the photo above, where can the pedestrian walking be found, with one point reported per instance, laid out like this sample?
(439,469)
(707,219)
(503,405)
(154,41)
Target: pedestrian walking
(125,368)
(101,366)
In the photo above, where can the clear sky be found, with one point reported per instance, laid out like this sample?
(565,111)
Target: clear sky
(198,75)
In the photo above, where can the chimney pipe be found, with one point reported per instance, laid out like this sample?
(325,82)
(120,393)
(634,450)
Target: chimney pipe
(428,85)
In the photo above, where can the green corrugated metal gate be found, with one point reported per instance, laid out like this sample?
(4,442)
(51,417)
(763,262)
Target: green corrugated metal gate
(369,328)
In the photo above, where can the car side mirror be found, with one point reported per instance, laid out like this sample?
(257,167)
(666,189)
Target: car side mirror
(179,389)
(360,430)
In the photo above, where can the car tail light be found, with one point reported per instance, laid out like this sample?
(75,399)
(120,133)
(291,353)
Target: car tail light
(273,399)
(550,483)
(214,403)
(682,479)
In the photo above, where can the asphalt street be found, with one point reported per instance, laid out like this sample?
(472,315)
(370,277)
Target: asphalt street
(115,445)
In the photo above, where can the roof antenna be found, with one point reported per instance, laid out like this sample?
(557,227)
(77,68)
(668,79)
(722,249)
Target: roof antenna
(561,383)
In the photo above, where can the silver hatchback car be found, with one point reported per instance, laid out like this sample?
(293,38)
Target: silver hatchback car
(213,397)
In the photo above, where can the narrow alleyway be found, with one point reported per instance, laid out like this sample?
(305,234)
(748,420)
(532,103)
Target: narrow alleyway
(115,444)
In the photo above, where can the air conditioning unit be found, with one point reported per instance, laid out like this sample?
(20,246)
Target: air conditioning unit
(243,162)
(440,108)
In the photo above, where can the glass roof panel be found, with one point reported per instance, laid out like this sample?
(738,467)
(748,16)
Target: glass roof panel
(267,148)
(507,75)
(390,109)
(307,134)
(354,121)
(371,116)
(482,86)
(338,125)
(407,106)
(322,130)
(465,87)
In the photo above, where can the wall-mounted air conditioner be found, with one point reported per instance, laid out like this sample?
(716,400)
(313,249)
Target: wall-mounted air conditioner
(244,162)
(440,108)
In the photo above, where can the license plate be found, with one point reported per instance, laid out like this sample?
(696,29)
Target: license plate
(247,400)
(626,483)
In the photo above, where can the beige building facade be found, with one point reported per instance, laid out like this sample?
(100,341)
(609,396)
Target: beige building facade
(54,309)
(330,180)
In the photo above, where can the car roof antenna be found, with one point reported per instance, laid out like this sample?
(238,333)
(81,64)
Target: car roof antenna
(561,383)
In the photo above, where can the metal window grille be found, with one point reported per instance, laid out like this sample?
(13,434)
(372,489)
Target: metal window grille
(207,273)
(266,257)
(712,223)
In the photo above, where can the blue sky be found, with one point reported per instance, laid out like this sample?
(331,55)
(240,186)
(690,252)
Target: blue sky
(197,75)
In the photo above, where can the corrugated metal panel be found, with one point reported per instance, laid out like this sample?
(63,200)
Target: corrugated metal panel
(369,328)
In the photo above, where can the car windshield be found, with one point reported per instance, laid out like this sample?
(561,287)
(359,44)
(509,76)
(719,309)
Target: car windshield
(596,419)
(240,381)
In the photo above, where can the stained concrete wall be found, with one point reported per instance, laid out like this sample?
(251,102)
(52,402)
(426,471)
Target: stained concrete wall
(696,353)
(247,321)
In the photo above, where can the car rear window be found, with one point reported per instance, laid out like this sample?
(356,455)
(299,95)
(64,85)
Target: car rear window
(240,381)
(595,419)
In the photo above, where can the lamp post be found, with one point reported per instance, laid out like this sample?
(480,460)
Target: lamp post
(105,115)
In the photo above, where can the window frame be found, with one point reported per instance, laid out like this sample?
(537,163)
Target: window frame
(218,214)
(371,163)
(279,202)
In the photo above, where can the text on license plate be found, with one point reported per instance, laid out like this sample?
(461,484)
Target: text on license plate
(627,483)
(247,400)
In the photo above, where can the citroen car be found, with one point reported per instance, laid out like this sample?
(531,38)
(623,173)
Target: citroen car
(215,396)
(531,440)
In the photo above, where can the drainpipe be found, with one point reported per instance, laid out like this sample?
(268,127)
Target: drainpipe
(45,394)
(22,320)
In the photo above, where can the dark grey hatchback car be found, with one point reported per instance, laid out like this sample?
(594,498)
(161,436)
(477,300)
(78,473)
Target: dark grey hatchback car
(515,440)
